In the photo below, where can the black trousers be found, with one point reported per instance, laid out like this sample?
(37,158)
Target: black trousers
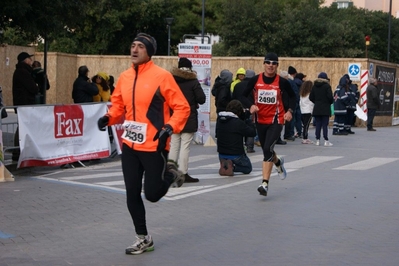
(153,166)
(268,136)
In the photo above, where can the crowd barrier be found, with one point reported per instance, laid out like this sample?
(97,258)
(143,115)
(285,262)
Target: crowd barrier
(9,126)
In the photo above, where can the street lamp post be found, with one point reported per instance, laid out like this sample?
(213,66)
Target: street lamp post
(169,22)
(203,21)
(389,30)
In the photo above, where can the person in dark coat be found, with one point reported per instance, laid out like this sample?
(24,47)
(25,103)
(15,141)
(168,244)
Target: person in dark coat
(41,81)
(341,103)
(187,80)
(24,87)
(322,97)
(83,89)
(234,126)
(222,93)
(221,90)
(373,102)
(24,90)
(237,94)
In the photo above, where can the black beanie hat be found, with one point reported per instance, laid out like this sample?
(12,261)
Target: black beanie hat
(149,42)
(291,70)
(184,62)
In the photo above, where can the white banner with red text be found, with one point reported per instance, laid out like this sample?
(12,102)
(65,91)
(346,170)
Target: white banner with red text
(61,134)
(200,56)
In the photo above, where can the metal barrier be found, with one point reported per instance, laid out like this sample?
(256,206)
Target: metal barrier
(9,126)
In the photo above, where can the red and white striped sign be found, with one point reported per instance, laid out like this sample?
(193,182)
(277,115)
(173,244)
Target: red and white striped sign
(364,82)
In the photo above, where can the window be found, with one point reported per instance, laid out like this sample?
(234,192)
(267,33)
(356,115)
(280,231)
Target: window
(344,4)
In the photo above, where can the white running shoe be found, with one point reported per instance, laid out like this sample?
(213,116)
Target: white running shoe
(282,173)
(327,143)
(142,244)
(317,142)
(262,189)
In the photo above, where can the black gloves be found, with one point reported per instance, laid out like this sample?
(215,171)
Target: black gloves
(102,123)
(162,136)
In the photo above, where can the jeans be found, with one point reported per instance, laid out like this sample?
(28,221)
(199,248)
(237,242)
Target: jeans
(297,120)
(322,123)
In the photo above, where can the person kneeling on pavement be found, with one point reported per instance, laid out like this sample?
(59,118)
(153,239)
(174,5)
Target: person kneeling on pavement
(233,125)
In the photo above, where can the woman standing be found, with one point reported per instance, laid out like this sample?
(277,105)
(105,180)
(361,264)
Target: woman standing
(104,93)
(321,96)
(306,109)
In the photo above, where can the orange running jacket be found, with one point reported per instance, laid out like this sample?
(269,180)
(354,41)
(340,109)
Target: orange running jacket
(149,96)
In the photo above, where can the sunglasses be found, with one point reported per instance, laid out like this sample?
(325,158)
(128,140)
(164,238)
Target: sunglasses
(268,62)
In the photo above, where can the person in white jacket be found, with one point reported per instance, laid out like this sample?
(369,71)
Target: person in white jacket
(306,109)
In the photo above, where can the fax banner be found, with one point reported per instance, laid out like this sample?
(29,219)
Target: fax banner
(61,134)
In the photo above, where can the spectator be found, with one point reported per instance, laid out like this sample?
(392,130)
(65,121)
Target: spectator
(111,82)
(237,94)
(321,96)
(104,92)
(221,90)
(192,90)
(306,109)
(341,102)
(289,125)
(373,103)
(234,125)
(83,89)
(240,75)
(24,90)
(353,95)
(41,80)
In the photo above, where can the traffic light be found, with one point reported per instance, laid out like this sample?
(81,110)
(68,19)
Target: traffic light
(367,38)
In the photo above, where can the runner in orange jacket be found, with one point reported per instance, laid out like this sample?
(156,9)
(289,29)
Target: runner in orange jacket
(146,94)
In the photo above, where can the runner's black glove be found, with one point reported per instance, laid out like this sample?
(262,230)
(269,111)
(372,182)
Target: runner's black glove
(162,136)
(102,123)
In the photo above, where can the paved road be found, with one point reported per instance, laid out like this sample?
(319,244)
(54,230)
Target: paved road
(338,206)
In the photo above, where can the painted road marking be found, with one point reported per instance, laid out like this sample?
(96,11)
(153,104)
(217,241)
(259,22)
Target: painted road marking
(367,164)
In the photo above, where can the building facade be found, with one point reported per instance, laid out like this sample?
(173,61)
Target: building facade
(375,5)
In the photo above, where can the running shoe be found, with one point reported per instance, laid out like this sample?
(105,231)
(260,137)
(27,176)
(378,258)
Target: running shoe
(142,244)
(178,176)
(281,169)
(262,189)
(317,142)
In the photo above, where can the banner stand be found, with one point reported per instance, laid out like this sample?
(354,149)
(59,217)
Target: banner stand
(209,142)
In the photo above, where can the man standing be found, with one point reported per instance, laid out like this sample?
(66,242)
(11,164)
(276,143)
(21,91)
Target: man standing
(24,90)
(274,103)
(146,95)
(373,103)
(187,80)
(83,89)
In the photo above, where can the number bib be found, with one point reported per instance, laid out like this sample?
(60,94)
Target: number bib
(267,96)
(135,132)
